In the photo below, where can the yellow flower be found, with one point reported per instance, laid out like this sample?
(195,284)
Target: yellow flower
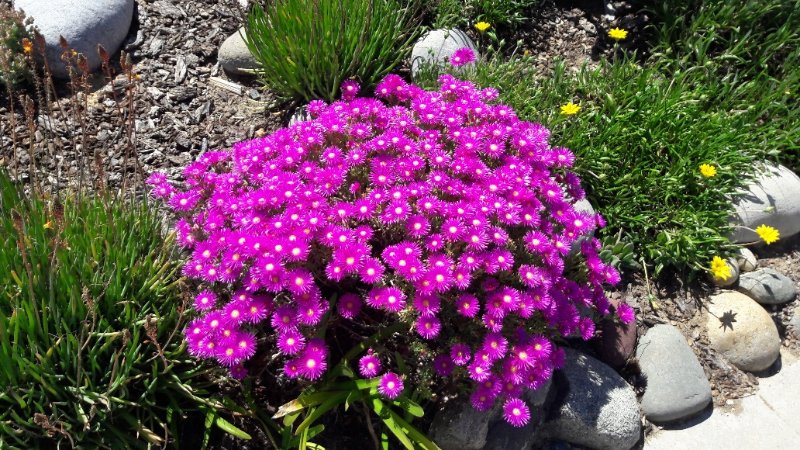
(720,268)
(482,26)
(570,109)
(48,225)
(768,233)
(27,46)
(618,34)
(708,170)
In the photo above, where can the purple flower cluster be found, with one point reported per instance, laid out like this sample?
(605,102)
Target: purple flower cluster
(439,208)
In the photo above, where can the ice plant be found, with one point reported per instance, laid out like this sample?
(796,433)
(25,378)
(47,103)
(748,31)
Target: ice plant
(570,109)
(707,170)
(462,56)
(617,34)
(720,269)
(767,233)
(440,210)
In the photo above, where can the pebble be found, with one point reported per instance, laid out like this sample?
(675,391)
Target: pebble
(234,56)
(677,387)
(596,408)
(436,46)
(84,24)
(747,260)
(772,199)
(768,286)
(742,331)
(459,426)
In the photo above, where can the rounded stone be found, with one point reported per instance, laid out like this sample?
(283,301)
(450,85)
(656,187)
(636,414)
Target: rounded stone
(84,24)
(435,47)
(767,286)
(459,426)
(616,342)
(234,56)
(596,408)
(503,436)
(747,260)
(772,199)
(731,280)
(742,331)
(676,384)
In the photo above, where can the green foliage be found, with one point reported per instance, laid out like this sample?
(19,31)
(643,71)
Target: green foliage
(503,14)
(744,56)
(14,28)
(91,349)
(640,138)
(307,48)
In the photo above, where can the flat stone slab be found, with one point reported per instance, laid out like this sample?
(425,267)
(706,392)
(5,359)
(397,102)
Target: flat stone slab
(676,384)
(84,24)
(767,420)
(767,286)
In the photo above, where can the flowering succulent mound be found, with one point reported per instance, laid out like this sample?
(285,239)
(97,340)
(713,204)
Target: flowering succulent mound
(441,210)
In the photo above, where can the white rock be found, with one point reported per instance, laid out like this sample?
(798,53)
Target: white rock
(742,331)
(84,24)
(234,55)
(598,408)
(665,358)
(436,46)
(773,199)
(747,260)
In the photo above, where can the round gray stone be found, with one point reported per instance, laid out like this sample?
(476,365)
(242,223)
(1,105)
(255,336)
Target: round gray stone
(459,426)
(435,47)
(767,286)
(676,384)
(503,436)
(234,56)
(747,260)
(742,331)
(772,199)
(84,24)
(596,408)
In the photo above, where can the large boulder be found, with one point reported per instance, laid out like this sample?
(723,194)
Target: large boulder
(768,286)
(436,47)
(503,436)
(459,426)
(676,384)
(742,331)
(595,407)
(772,199)
(234,56)
(84,24)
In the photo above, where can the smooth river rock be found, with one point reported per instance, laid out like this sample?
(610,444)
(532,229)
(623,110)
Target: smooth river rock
(85,24)
(676,384)
(459,426)
(742,331)
(435,47)
(773,199)
(234,56)
(768,286)
(747,260)
(595,407)
(503,436)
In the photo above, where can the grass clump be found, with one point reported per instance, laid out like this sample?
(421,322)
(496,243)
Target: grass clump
(307,48)
(91,354)
(503,14)
(640,138)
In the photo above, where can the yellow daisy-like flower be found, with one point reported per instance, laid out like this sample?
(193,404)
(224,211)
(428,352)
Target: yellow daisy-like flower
(618,34)
(48,225)
(768,233)
(482,26)
(707,170)
(27,46)
(570,109)
(720,268)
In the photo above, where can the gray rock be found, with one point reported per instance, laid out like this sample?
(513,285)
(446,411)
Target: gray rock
(742,331)
(459,426)
(747,260)
(84,24)
(596,408)
(234,56)
(503,436)
(794,322)
(772,199)
(730,281)
(616,341)
(676,384)
(582,206)
(767,286)
(435,47)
